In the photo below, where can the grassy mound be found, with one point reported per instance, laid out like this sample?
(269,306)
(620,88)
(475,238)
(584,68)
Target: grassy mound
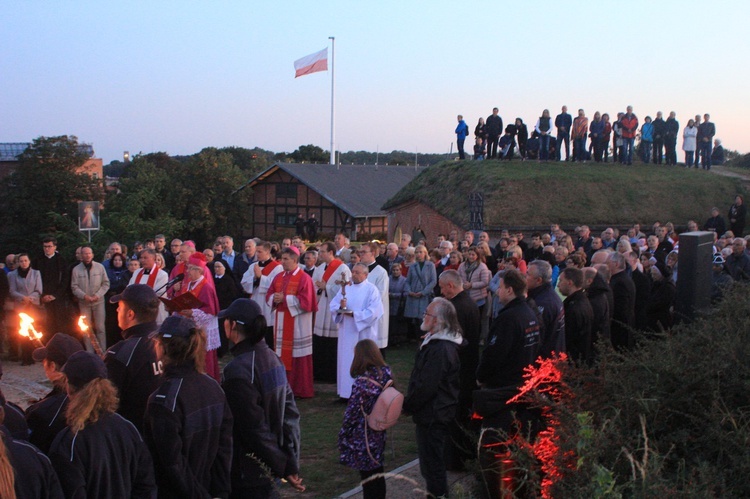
(531,193)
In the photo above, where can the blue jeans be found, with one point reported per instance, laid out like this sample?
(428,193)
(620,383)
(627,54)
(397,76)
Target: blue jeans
(646,145)
(579,147)
(689,158)
(461,154)
(705,149)
(544,147)
(627,151)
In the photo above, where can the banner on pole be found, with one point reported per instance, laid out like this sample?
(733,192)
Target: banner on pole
(311,63)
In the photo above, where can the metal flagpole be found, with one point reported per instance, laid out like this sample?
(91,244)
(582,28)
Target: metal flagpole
(333,100)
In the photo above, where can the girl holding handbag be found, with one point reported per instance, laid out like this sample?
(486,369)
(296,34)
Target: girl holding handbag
(360,446)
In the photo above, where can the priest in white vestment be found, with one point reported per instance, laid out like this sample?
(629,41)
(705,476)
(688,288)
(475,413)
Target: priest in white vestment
(327,278)
(361,322)
(257,279)
(380,278)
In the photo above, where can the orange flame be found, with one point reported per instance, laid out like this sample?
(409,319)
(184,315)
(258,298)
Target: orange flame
(82,323)
(27,327)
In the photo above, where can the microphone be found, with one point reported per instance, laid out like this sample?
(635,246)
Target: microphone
(171,283)
(178,278)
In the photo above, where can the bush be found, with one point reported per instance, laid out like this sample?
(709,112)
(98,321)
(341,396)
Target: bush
(669,419)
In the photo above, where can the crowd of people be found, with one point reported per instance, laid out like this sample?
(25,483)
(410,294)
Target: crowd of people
(657,138)
(154,400)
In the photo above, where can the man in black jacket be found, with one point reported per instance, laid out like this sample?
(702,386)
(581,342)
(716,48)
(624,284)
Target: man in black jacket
(257,391)
(563,122)
(514,339)
(579,316)
(642,284)
(132,364)
(600,297)
(549,304)
(512,345)
(623,314)
(432,397)
(494,127)
(670,138)
(451,288)
(55,285)
(660,130)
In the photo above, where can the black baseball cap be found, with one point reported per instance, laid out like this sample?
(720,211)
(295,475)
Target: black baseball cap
(58,349)
(175,325)
(242,310)
(83,367)
(137,295)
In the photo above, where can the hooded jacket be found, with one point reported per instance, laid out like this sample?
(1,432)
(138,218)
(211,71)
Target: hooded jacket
(434,384)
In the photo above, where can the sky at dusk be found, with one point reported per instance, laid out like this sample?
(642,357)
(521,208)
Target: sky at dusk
(180,76)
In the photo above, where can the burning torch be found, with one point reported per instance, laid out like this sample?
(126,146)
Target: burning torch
(27,329)
(86,331)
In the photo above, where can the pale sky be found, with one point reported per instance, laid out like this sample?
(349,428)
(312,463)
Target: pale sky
(178,76)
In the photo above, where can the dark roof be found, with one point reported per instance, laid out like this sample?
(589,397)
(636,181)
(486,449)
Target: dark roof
(359,190)
(9,151)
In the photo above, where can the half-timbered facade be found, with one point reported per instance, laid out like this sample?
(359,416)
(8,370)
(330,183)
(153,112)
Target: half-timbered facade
(344,198)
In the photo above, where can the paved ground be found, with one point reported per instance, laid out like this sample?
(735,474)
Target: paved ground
(406,482)
(23,385)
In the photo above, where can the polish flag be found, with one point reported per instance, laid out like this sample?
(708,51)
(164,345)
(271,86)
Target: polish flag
(311,63)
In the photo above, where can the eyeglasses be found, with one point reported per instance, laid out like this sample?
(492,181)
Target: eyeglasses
(426,314)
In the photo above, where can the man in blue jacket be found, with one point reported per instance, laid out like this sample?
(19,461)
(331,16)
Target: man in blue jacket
(462,130)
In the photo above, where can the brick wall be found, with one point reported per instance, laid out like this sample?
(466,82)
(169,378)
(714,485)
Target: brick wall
(413,216)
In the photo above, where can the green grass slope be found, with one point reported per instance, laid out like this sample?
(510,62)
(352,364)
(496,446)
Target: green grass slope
(531,193)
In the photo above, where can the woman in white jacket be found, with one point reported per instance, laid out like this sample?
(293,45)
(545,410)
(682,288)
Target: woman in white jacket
(25,290)
(689,143)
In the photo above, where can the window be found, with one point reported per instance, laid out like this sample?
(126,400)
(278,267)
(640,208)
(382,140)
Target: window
(285,219)
(286,191)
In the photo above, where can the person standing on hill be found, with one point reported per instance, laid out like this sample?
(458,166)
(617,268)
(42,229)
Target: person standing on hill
(670,138)
(493,128)
(462,130)
(629,124)
(660,129)
(707,130)
(563,122)
(580,131)
(544,129)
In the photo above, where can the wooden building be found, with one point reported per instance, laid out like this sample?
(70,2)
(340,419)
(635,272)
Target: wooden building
(344,198)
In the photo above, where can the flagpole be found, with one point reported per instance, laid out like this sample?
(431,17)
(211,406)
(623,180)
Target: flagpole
(333,100)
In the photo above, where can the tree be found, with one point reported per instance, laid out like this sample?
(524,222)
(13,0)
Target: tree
(194,198)
(210,205)
(142,207)
(309,154)
(45,186)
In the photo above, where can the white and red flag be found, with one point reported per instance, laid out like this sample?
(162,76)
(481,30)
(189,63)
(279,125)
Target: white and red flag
(311,63)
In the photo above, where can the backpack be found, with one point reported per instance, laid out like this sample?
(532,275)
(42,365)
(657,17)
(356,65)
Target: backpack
(387,408)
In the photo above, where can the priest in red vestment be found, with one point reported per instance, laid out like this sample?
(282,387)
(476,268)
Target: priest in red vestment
(292,296)
(186,251)
(206,316)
